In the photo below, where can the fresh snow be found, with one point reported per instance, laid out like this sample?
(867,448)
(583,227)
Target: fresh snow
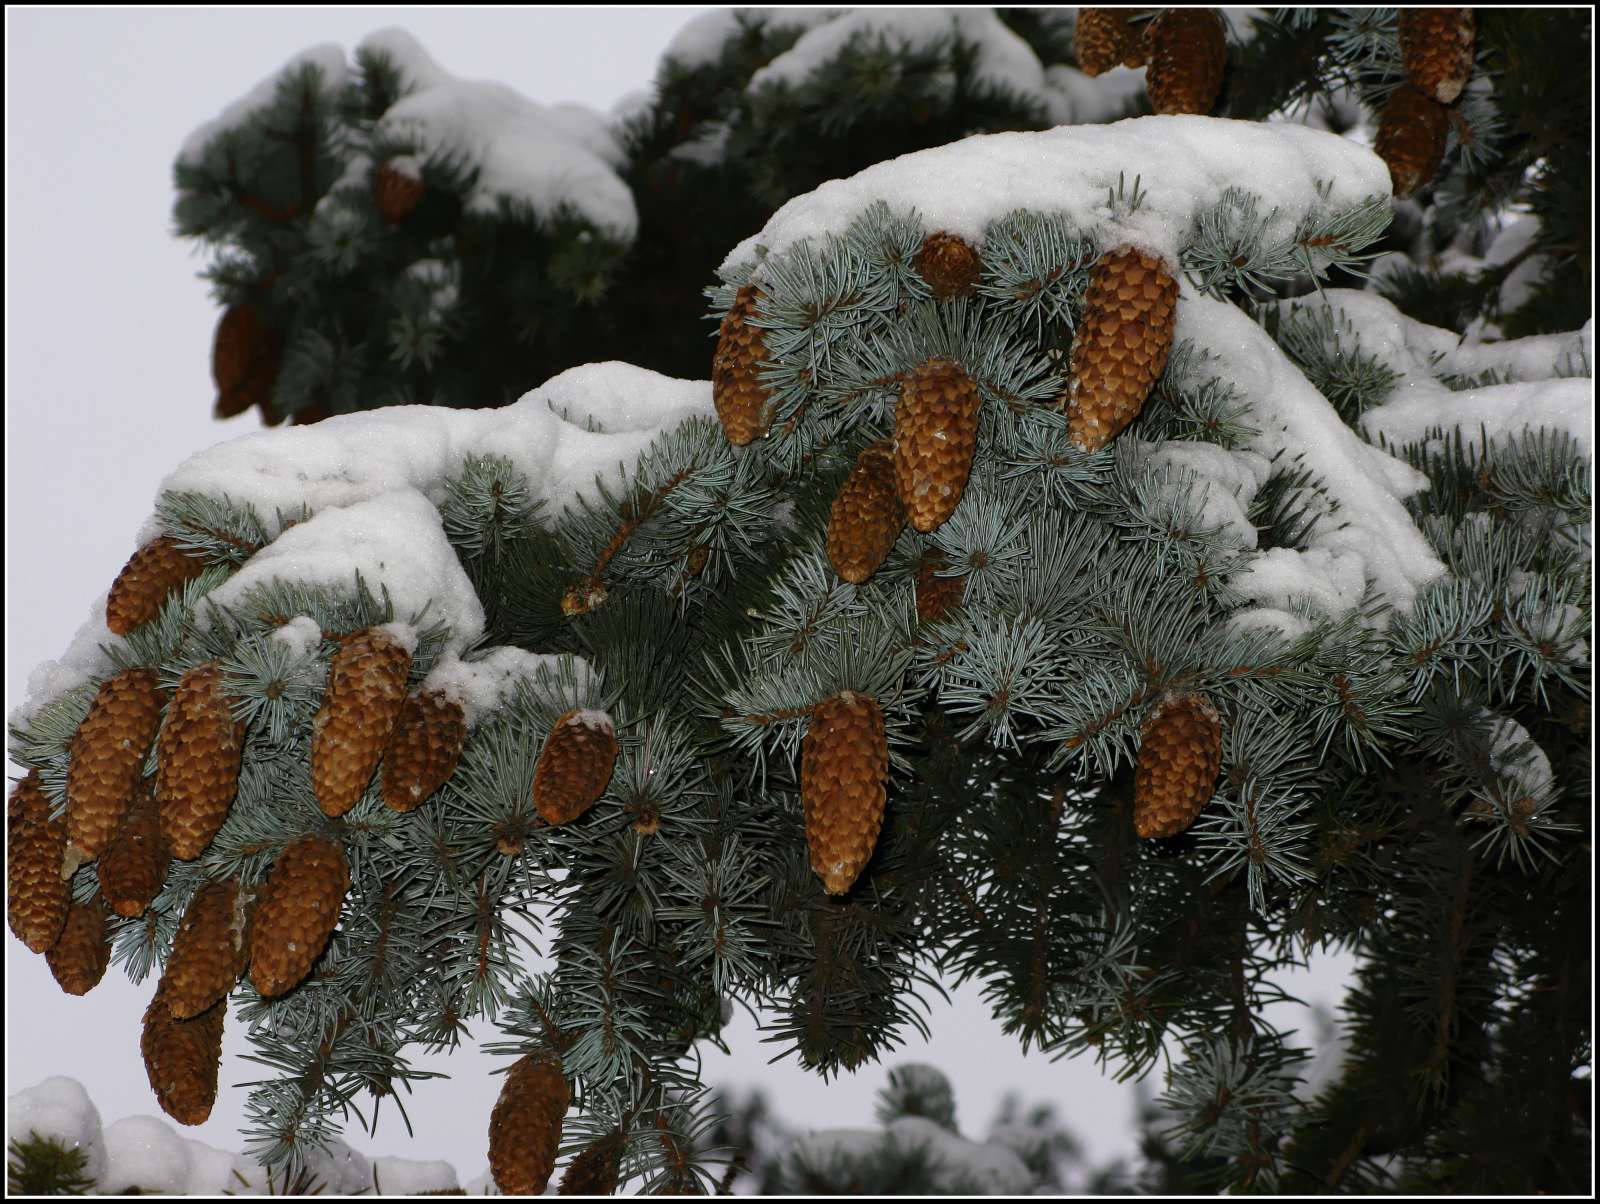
(700,42)
(993,1168)
(145,1153)
(1521,763)
(301,635)
(328,57)
(59,1108)
(484,684)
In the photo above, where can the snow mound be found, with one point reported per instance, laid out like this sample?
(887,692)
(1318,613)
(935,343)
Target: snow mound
(960,1163)
(410,1176)
(328,58)
(143,1153)
(59,1108)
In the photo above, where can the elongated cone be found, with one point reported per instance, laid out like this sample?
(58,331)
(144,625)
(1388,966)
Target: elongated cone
(950,264)
(574,766)
(151,576)
(424,749)
(244,362)
(210,950)
(1180,752)
(81,953)
(181,1059)
(197,761)
(296,912)
(937,596)
(743,403)
(867,515)
(935,434)
(1121,346)
(1188,51)
(1411,138)
(594,1172)
(133,869)
(366,689)
(525,1126)
(1104,39)
(37,895)
(397,192)
(844,766)
(108,755)
(1436,49)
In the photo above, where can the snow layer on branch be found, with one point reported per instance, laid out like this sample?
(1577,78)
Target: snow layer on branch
(486,683)
(1184,164)
(411,1177)
(59,1108)
(1078,99)
(990,1168)
(1225,483)
(700,42)
(1517,758)
(416,66)
(328,58)
(144,1153)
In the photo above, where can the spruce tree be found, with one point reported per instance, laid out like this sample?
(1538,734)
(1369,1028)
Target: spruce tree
(1108,561)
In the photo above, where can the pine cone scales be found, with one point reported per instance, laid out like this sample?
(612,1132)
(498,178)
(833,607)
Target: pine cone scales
(593,1172)
(133,868)
(108,755)
(424,749)
(181,1059)
(366,690)
(1188,51)
(1411,138)
(935,434)
(574,766)
(296,912)
(525,1126)
(150,577)
(197,761)
(210,949)
(396,193)
(81,953)
(1436,49)
(867,515)
(937,596)
(844,765)
(37,896)
(1121,346)
(1180,753)
(950,264)
(1104,39)
(742,401)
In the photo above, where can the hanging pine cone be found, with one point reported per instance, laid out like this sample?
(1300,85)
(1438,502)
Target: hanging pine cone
(1436,48)
(743,403)
(424,749)
(867,515)
(366,689)
(181,1059)
(1411,138)
(1121,345)
(133,869)
(296,912)
(152,575)
(935,434)
(1188,51)
(1180,752)
(525,1126)
(197,761)
(108,755)
(37,896)
(950,264)
(396,191)
(81,953)
(244,361)
(210,949)
(1104,38)
(575,765)
(937,596)
(844,765)
(594,1172)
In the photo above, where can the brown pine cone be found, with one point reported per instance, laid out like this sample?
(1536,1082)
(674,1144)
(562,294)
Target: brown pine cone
(37,895)
(181,1059)
(867,515)
(81,953)
(366,689)
(1411,138)
(950,264)
(396,192)
(575,765)
(133,869)
(1121,345)
(197,761)
(844,766)
(424,749)
(525,1126)
(296,912)
(937,596)
(1436,48)
(152,575)
(244,362)
(108,755)
(1104,39)
(1188,50)
(210,950)
(935,434)
(1180,753)
(743,403)
(594,1172)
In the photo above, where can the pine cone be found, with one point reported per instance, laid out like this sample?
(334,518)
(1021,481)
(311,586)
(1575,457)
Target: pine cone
(108,755)
(844,765)
(950,264)
(181,1058)
(1436,48)
(151,576)
(1180,752)
(937,596)
(1411,138)
(244,362)
(594,1172)
(1104,38)
(197,761)
(1188,50)
(424,749)
(37,896)
(525,1127)
(133,869)
(296,912)
(396,192)
(575,765)
(935,434)
(366,689)
(210,950)
(81,953)
(867,515)
(1121,345)
(743,403)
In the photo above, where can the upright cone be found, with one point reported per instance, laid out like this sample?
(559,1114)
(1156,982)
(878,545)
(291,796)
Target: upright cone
(1188,51)
(81,953)
(935,434)
(133,869)
(181,1059)
(1121,345)
(210,949)
(867,515)
(844,768)
(950,264)
(525,1126)
(107,758)
(152,575)
(1411,138)
(574,766)
(37,896)
(424,749)
(743,403)
(1104,39)
(1180,752)
(366,689)
(296,912)
(1436,48)
(197,761)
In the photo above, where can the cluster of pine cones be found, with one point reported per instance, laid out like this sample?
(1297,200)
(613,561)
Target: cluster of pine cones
(1436,48)
(1184,51)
